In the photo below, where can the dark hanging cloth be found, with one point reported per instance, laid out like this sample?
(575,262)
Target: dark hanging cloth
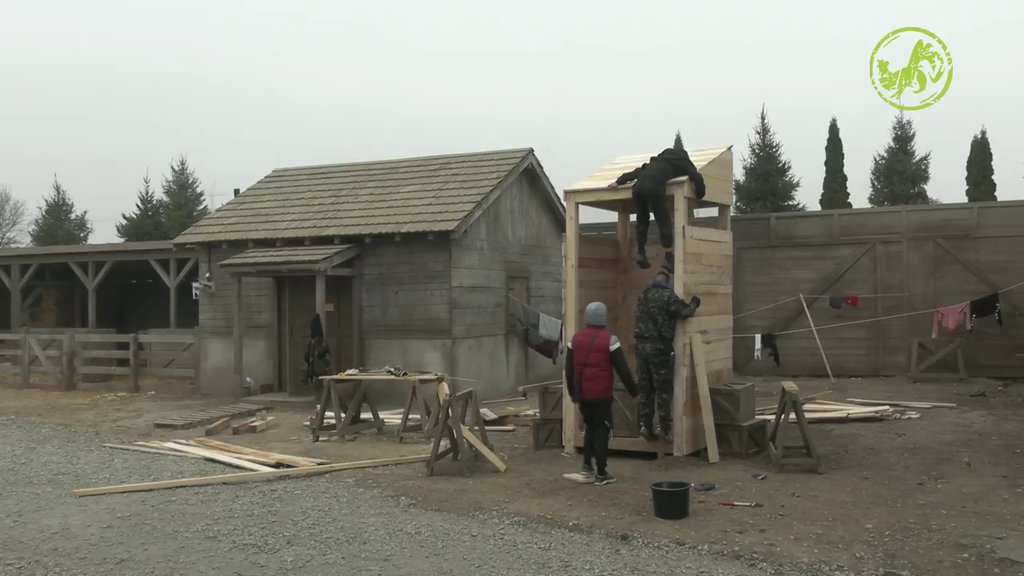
(316,327)
(836,302)
(770,342)
(987,306)
(852,301)
(530,323)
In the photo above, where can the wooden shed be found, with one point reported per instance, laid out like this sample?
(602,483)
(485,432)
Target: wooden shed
(410,262)
(603,269)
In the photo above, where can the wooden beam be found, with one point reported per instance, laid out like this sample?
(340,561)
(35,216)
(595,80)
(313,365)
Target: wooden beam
(680,376)
(14,282)
(6,277)
(27,276)
(160,272)
(980,275)
(237,332)
(189,264)
(816,339)
(321,299)
(34,295)
(91,287)
(86,281)
(828,281)
(172,288)
(570,304)
(98,279)
(216,456)
(151,450)
(246,476)
(288,460)
(482,448)
(357,317)
(704,392)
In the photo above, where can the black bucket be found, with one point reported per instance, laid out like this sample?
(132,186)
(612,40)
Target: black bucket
(671,500)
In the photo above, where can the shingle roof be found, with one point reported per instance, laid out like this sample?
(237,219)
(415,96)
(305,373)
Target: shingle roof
(285,256)
(609,172)
(432,194)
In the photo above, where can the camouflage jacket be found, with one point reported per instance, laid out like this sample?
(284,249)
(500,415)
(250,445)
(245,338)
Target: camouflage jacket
(657,310)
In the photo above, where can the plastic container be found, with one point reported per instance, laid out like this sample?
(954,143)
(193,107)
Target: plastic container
(671,500)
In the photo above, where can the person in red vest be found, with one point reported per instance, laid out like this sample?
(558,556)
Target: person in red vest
(591,356)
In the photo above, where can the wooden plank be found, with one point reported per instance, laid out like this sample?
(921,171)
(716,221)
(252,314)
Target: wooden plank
(259,425)
(247,457)
(245,476)
(218,426)
(103,371)
(683,443)
(708,234)
(167,338)
(286,459)
(241,427)
(704,390)
(814,330)
(101,354)
(571,305)
(152,451)
(827,282)
(482,448)
(168,372)
(907,404)
(217,456)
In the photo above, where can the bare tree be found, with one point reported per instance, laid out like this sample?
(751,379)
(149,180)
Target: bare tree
(12,219)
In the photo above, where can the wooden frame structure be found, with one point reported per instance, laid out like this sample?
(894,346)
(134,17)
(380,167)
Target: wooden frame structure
(603,269)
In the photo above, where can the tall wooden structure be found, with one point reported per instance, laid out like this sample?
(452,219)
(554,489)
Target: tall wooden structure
(603,269)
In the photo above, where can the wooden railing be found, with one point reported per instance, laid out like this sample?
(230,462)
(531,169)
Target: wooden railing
(66,356)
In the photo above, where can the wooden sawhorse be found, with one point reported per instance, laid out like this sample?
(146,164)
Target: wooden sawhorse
(806,453)
(423,398)
(353,409)
(453,413)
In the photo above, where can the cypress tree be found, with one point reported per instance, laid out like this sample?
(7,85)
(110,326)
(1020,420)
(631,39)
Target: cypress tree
(981,186)
(834,193)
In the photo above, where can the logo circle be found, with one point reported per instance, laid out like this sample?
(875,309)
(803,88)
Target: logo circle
(911,68)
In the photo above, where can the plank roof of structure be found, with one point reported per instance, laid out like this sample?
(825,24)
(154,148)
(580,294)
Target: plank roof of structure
(311,256)
(431,194)
(600,179)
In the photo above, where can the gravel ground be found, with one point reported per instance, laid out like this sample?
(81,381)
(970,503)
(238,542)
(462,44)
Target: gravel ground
(306,526)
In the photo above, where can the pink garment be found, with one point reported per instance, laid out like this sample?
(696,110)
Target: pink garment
(951,318)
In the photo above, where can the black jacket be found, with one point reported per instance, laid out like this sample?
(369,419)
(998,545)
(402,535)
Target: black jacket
(671,163)
(657,310)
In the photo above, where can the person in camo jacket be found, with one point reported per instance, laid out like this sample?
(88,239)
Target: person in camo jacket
(591,357)
(657,310)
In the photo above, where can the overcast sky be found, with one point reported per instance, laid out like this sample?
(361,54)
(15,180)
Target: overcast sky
(99,92)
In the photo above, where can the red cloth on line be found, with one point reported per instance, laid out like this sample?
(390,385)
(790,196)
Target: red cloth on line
(852,301)
(951,318)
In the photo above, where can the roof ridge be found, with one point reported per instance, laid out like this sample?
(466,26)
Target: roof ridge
(522,151)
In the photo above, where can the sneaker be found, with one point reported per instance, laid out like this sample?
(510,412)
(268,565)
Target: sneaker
(604,479)
(665,434)
(587,470)
(645,432)
(642,261)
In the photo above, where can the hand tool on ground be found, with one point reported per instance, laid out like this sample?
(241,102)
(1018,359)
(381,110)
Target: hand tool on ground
(741,504)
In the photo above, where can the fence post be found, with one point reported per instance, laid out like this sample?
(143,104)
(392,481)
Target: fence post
(26,361)
(133,360)
(68,360)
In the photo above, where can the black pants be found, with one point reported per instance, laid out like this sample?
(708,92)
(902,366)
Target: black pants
(597,417)
(651,198)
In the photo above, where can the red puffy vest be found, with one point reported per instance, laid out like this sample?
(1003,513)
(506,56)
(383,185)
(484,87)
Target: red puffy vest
(595,379)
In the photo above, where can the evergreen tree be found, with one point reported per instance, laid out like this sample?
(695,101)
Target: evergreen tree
(678,143)
(834,193)
(147,222)
(981,186)
(898,174)
(58,223)
(184,202)
(768,184)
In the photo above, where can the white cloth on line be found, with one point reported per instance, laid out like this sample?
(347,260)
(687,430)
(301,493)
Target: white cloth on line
(549,328)
(757,346)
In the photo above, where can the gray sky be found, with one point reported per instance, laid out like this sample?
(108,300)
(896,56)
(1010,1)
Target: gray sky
(101,91)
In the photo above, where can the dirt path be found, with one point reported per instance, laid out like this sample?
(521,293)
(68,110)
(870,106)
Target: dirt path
(932,495)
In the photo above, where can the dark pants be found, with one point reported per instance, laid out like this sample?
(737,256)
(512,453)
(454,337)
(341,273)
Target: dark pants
(651,198)
(597,417)
(654,361)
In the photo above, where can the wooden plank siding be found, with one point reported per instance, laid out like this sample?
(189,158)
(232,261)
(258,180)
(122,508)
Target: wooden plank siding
(779,256)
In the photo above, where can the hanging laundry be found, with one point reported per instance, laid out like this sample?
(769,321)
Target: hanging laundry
(549,328)
(836,302)
(852,300)
(985,307)
(757,346)
(770,342)
(530,322)
(951,318)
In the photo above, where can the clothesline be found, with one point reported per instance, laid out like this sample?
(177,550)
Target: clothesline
(867,320)
(787,300)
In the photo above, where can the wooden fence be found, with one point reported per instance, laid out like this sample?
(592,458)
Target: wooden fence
(904,259)
(68,356)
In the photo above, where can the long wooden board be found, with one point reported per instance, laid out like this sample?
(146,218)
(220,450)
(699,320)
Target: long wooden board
(704,391)
(209,416)
(288,460)
(245,476)
(483,449)
(219,457)
(149,450)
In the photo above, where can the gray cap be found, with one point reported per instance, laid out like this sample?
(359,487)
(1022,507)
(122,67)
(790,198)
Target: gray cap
(596,314)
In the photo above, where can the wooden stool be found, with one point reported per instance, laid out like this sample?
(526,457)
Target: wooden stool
(745,439)
(806,453)
(463,440)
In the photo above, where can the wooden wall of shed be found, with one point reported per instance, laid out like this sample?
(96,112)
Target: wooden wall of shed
(878,251)
(216,321)
(517,236)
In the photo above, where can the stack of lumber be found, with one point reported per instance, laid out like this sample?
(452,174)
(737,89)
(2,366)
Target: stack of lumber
(223,452)
(856,409)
